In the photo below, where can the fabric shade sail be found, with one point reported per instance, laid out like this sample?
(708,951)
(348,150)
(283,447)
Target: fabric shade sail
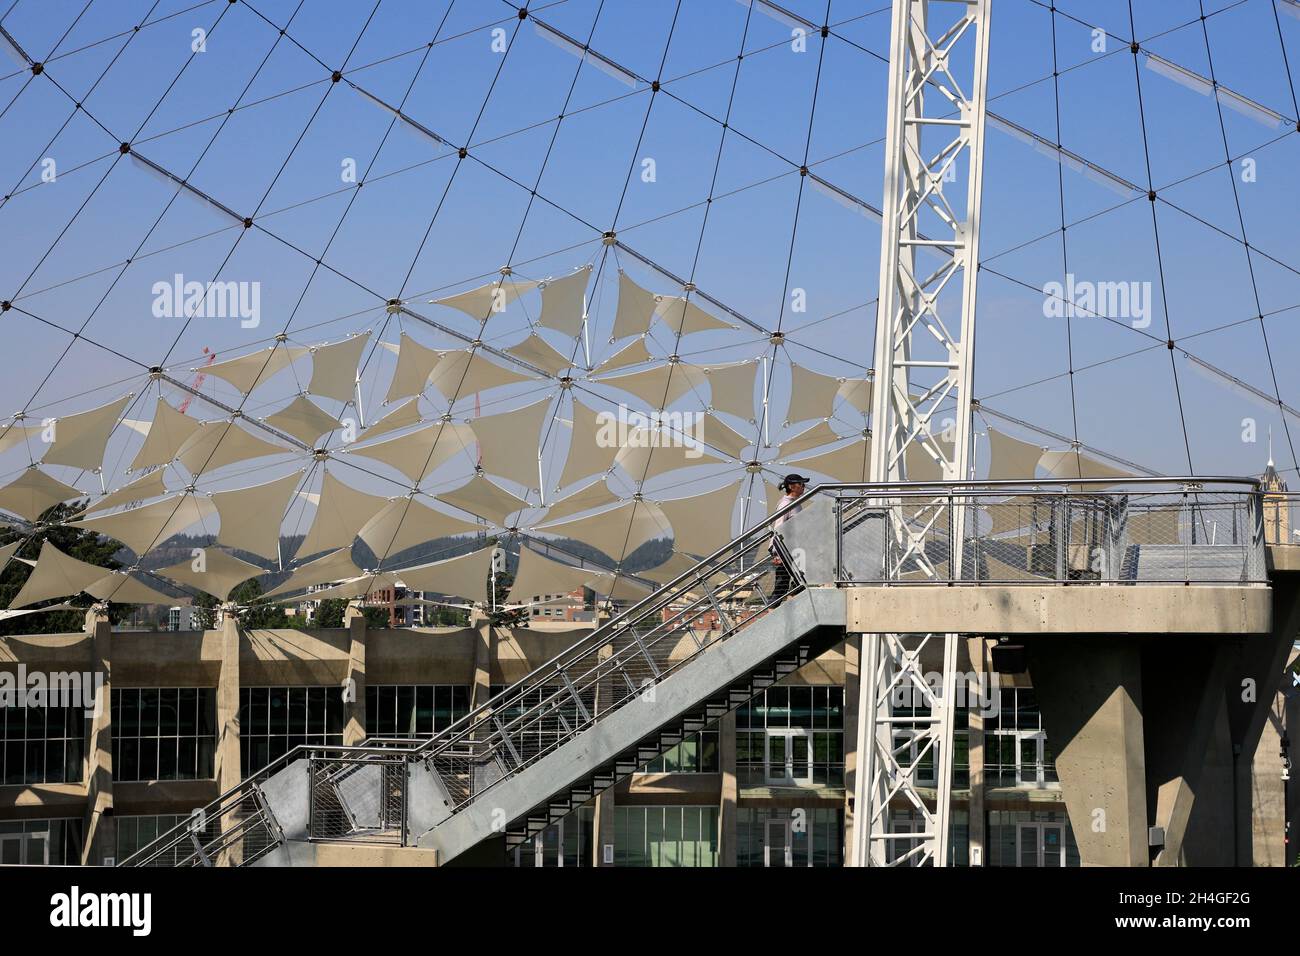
(80,440)
(334,368)
(214,572)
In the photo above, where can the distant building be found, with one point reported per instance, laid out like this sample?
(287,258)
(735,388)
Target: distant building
(180,619)
(1277,512)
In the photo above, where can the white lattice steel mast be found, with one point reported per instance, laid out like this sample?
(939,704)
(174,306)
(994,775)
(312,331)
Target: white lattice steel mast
(925,334)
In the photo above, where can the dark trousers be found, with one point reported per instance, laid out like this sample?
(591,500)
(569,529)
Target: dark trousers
(782,585)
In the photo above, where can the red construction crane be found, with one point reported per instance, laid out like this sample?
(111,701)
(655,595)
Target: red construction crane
(198,379)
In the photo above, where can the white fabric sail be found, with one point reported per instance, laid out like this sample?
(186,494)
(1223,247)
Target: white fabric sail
(718,434)
(246,372)
(464,576)
(1011,458)
(340,513)
(148,485)
(334,368)
(213,571)
(408,413)
(480,304)
(660,386)
(304,420)
(636,308)
(406,522)
(849,462)
(80,440)
(219,443)
(651,452)
(15,434)
(461,374)
(616,532)
(538,352)
(483,498)
(355,588)
(33,492)
(812,394)
(150,525)
(683,316)
(335,566)
(125,588)
(418,453)
(538,575)
(167,434)
(415,363)
(564,301)
(731,388)
(588,453)
(507,442)
(858,393)
(814,436)
(634,353)
(251,517)
(56,575)
(594,494)
(702,523)
(1071,464)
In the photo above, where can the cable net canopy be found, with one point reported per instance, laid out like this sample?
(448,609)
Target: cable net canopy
(332,301)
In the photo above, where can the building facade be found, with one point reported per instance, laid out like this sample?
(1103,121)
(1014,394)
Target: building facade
(189,714)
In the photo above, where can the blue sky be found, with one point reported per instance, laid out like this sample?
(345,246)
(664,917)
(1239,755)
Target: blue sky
(278,157)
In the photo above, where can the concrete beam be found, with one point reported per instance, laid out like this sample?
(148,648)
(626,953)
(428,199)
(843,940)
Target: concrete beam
(100,835)
(1055,609)
(354,732)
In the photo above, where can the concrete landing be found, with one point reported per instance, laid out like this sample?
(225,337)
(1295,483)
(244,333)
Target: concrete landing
(1058,609)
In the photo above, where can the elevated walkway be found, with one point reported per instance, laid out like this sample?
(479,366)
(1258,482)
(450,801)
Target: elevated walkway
(1035,563)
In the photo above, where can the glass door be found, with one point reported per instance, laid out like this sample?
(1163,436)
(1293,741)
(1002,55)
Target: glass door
(1053,843)
(776,846)
(789,756)
(25,849)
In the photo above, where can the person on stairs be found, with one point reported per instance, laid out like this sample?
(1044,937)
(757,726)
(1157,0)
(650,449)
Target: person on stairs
(793,486)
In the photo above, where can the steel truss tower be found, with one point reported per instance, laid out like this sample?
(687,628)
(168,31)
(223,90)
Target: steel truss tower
(921,407)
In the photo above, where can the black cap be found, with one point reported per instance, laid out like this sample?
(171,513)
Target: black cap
(789,480)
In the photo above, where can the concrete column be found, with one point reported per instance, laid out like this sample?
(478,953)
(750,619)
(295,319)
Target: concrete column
(602,827)
(354,732)
(484,653)
(730,790)
(228,770)
(1254,675)
(975,749)
(1271,807)
(852,675)
(99,833)
(1090,692)
(1187,752)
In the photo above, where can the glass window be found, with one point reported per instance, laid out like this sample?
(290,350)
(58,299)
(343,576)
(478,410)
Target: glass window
(45,744)
(274,720)
(665,836)
(166,733)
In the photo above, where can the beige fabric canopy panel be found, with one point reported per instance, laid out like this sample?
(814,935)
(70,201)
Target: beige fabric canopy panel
(814,436)
(340,513)
(167,435)
(718,434)
(461,374)
(850,462)
(480,304)
(213,571)
(683,316)
(651,452)
(536,351)
(702,523)
(507,442)
(148,485)
(80,440)
(1071,464)
(219,443)
(406,522)
(538,575)
(419,453)
(634,353)
(617,532)
(404,415)
(151,525)
(334,368)
(594,494)
(13,435)
(33,493)
(731,388)
(588,455)
(465,576)
(1010,458)
(564,302)
(246,372)
(56,575)
(812,394)
(127,588)
(484,499)
(636,308)
(335,566)
(660,386)
(415,363)
(304,420)
(251,517)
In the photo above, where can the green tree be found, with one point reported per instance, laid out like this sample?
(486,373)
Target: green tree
(257,612)
(376,618)
(330,612)
(75,542)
